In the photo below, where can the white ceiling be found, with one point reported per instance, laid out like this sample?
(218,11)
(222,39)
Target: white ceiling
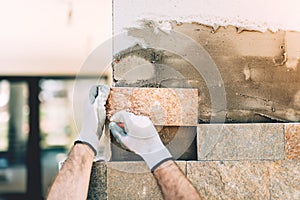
(41,37)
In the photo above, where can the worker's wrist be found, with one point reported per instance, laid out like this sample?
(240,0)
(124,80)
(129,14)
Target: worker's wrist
(90,148)
(163,165)
(155,159)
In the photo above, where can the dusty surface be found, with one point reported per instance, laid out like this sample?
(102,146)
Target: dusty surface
(260,71)
(164,106)
(292,138)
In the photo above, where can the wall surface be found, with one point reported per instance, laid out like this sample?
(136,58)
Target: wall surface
(251,50)
(243,57)
(251,15)
(249,161)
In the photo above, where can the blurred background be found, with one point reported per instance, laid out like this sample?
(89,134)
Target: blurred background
(43,45)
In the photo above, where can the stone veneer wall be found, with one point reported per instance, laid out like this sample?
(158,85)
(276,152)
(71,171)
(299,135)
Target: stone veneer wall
(238,161)
(256,153)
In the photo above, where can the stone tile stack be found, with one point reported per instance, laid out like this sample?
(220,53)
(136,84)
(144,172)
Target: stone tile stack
(235,161)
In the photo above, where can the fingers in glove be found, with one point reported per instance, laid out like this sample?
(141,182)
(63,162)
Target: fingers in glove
(123,117)
(100,92)
(93,93)
(118,133)
(103,93)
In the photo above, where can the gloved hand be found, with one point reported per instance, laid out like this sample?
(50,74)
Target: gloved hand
(94,115)
(140,136)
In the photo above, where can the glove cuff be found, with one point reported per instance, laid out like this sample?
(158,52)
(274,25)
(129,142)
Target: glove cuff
(88,144)
(155,159)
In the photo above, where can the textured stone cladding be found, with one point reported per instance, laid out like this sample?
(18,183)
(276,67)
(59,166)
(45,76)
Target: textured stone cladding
(164,106)
(124,180)
(98,182)
(242,161)
(256,179)
(292,138)
(240,141)
(246,179)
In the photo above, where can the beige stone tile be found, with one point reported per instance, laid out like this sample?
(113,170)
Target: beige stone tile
(132,180)
(230,179)
(285,180)
(240,141)
(164,106)
(292,139)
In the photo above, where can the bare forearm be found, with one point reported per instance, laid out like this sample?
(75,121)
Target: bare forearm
(173,182)
(72,180)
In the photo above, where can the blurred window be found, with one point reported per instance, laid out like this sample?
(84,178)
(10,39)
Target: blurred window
(14,131)
(60,116)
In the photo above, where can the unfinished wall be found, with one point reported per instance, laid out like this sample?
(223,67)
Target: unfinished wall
(249,161)
(256,53)
(260,71)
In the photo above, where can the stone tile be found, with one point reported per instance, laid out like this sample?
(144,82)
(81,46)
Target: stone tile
(132,180)
(292,139)
(98,184)
(240,141)
(285,180)
(230,179)
(164,106)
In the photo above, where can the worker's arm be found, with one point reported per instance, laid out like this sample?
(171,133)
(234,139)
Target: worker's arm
(173,183)
(140,136)
(73,179)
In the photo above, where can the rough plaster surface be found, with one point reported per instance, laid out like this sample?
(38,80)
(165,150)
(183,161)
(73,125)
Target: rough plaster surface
(240,142)
(251,15)
(164,106)
(260,71)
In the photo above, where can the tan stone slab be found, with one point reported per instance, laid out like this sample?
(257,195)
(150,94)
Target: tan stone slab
(240,141)
(230,179)
(133,180)
(292,141)
(164,106)
(285,180)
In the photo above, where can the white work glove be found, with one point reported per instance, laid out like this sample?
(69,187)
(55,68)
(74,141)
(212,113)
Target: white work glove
(94,115)
(139,136)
